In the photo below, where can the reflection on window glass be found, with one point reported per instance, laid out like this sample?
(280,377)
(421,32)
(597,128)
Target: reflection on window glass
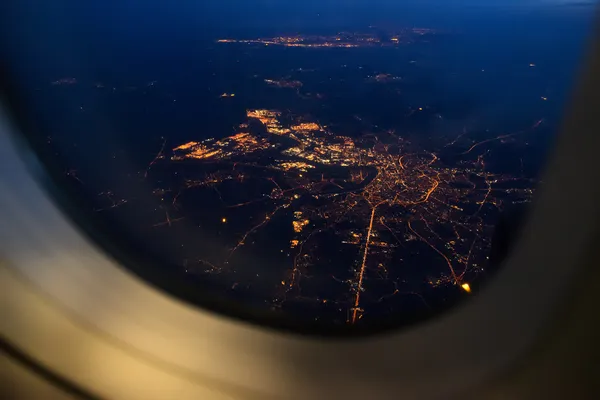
(339,162)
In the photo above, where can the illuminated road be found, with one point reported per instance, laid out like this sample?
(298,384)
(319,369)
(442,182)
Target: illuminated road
(359,285)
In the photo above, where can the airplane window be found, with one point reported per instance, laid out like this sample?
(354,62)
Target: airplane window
(316,164)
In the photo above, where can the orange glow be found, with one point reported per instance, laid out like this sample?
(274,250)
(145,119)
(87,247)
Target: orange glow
(196,150)
(269,118)
(362,269)
(466,287)
(205,153)
(186,146)
(294,243)
(299,225)
(240,136)
(306,126)
(302,166)
(223,220)
(242,141)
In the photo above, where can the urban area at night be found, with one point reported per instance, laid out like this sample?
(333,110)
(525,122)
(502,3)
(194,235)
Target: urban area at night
(332,176)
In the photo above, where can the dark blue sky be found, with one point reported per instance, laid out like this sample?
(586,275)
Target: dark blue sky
(232,13)
(331,12)
(151,18)
(57,32)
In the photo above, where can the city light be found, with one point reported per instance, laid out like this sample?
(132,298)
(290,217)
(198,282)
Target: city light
(434,194)
(299,225)
(341,40)
(334,185)
(376,195)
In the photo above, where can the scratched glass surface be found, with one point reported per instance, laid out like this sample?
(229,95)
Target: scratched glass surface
(342,167)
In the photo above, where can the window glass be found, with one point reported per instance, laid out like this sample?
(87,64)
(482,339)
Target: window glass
(338,163)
